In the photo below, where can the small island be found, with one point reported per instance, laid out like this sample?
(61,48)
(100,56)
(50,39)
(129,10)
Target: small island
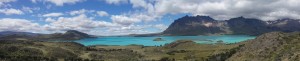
(158,39)
(220,42)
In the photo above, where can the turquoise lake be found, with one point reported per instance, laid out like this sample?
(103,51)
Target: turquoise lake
(148,41)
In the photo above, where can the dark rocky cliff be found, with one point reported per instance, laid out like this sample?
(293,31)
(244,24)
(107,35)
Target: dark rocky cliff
(247,26)
(198,25)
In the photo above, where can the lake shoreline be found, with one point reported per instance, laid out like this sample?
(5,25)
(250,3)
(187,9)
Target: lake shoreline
(150,41)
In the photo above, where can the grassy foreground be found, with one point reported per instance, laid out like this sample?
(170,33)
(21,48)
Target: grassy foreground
(16,50)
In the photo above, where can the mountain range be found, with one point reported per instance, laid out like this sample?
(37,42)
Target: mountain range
(68,35)
(205,25)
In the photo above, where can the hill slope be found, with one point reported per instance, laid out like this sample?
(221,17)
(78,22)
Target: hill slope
(274,46)
(68,35)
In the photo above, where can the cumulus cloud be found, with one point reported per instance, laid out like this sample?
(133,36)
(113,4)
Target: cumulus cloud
(4,2)
(80,22)
(116,1)
(145,4)
(62,2)
(49,20)
(124,20)
(81,11)
(132,18)
(130,29)
(102,13)
(161,27)
(27,9)
(11,11)
(225,9)
(33,1)
(53,14)
(30,9)
(91,26)
(222,9)
(281,13)
(10,24)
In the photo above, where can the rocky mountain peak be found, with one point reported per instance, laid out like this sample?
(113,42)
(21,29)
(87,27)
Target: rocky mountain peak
(196,18)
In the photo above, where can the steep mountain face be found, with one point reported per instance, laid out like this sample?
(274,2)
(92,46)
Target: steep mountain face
(247,26)
(69,35)
(274,46)
(194,26)
(204,25)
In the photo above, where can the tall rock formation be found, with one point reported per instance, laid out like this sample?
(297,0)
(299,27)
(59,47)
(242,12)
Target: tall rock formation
(198,25)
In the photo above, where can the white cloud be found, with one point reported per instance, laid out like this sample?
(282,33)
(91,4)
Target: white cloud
(93,27)
(102,13)
(280,14)
(161,27)
(30,9)
(116,1)
(11,11)
(27,9)
(120,25)
(137,16)
(219,9)
(81,11)
(4,2)
(62,2)
(49,20)
(143,4)
(33,1)
(81,22)
(225,9)
(139,3)
(124,20)
(125,30)
(53,14)
(10,24)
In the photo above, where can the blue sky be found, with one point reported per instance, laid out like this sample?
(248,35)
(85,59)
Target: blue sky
(36,11)
(121,17)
